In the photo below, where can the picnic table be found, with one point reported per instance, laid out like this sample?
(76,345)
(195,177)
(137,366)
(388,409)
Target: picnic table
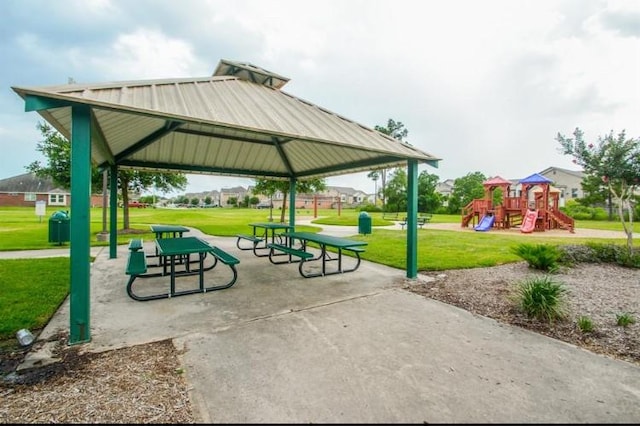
(169,250)
(262,234)
(166,231)
(324,241)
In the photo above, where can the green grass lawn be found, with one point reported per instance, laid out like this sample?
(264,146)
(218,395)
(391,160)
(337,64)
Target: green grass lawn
(34,288)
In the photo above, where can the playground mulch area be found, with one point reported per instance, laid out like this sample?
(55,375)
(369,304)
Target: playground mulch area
(578,232)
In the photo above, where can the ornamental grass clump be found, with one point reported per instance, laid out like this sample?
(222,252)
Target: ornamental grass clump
(625,319)
(539,256)
(541,298)
(585,324)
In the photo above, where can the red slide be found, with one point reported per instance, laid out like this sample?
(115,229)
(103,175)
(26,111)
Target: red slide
(529,221)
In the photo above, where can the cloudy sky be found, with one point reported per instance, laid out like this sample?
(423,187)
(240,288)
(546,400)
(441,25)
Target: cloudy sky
(484,85)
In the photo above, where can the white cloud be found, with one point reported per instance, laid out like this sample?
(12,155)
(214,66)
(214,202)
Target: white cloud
(484,85)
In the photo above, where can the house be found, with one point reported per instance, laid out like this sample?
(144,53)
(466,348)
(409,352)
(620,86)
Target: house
(24,190)
(237,192)
(445,188)
(569,182)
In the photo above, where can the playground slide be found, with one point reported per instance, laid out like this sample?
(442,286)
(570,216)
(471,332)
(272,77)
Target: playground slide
(529,221)
(485,223)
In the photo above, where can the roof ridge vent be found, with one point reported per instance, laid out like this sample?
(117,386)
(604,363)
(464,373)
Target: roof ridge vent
(250,72)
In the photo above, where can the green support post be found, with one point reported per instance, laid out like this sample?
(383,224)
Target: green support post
(113,212)
(292,203)
(80,249)
(412,219)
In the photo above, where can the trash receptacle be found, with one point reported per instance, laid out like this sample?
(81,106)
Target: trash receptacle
(59,227)
(364,223)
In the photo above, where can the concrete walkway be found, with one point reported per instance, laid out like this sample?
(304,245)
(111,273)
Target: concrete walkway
(354,348)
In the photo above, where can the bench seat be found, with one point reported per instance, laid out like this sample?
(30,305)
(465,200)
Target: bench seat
(304,255)
(420,221)
(255,240)
(390,216)
(354,249)
(137,263)
(224,257)
(135,244)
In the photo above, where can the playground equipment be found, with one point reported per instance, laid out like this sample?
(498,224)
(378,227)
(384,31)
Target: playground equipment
(536,195)
(485,223)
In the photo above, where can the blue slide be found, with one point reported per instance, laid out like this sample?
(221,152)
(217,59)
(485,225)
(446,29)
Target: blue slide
(485,223)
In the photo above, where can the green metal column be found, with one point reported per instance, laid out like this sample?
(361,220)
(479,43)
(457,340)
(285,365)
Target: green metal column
(412,219)
(113,212)
(80,225)
(292,202)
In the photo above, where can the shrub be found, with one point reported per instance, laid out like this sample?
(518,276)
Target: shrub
(577,253)
(369,208)
(541,298)
(539,256)
(585,324)
(624,319)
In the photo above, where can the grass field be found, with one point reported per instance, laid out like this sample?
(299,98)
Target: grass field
(33,289)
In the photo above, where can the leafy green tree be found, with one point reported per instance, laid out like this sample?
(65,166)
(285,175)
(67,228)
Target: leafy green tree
(207,200)
(181,199)
(374,175)
(429,200)
(465,190)
(396,191)
(396,130)
(254,201)
(57,150)
(616,161)
(232,201)
(595,193)
(195,201)
(270,187)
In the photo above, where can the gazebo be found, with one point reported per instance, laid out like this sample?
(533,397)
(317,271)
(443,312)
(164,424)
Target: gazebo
(237,122)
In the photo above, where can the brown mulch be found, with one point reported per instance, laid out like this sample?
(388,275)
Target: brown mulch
(139,384)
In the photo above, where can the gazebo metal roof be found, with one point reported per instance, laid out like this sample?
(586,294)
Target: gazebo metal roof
(240,124)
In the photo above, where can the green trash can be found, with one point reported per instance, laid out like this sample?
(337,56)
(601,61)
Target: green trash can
(59,224)
(364,223)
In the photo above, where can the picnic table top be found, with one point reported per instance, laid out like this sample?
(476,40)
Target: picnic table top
(185,245)
(270,225)
(328,240)
(168,228)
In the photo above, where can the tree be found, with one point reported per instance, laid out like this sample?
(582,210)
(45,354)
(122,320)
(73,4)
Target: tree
(396,191)
(254,201)
(137,181)
(428,198)
(207,200)
(396,130)
(57,150)
(616,162)
(595,193)
(270,187)
(182,199)
(465,190)
(374,175)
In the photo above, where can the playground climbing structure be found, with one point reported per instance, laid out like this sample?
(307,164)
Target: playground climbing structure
(536,193)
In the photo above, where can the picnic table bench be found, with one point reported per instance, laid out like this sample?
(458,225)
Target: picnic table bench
(390,216)
(421,220)
(260,239)
(304,257)
(170,249)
